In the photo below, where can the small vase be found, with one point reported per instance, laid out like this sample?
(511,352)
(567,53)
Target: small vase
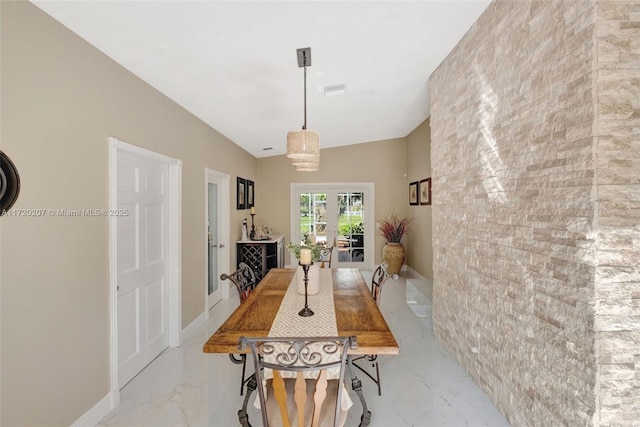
(313,287)
(393,255)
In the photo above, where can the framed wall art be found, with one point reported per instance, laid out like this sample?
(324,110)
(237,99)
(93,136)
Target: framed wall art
(241,193)
(413,193)
(250,194)
(424,193)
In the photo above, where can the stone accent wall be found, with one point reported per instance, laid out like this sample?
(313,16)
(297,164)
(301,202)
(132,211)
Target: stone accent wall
(515,214)
(618,269)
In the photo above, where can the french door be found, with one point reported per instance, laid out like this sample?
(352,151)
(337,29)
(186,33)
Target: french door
(340,216)
(217,233)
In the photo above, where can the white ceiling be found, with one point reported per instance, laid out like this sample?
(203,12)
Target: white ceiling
(233,64)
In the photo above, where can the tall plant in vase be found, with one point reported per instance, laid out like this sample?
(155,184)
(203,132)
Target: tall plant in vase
(393,229)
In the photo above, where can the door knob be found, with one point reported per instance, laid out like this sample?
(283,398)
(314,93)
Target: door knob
(221,245)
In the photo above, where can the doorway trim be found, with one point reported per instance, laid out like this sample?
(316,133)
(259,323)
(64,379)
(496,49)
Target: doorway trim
(224,208)
(173,248)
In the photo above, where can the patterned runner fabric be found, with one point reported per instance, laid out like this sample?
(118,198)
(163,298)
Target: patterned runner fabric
(323,323)
(288,323)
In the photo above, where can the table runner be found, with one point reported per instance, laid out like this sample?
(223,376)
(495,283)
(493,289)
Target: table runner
(288,323)
(323,323)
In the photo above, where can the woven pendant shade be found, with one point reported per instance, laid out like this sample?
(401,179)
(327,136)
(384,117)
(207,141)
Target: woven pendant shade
(306,163)
(307,167)
(313,162)
(303,144)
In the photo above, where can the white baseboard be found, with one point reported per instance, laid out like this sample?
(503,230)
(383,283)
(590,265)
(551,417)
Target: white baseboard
(100,410)
(413,273)
(192,327)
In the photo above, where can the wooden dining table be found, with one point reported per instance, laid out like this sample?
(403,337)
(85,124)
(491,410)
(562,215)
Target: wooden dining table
(357,314)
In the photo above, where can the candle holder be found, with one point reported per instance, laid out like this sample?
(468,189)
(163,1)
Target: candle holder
(306,311)
(252,235)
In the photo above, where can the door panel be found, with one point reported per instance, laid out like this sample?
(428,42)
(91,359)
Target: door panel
(127,315)
(142,267)
(154,223)
(155,298)
(351,227)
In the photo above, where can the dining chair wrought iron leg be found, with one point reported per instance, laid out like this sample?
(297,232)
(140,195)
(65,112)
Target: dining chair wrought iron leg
(241,359)
(243,417)
(356,385)
(244,368)
(374,363)
(378,378)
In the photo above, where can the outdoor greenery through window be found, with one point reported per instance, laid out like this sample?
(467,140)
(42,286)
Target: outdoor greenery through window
(349,237)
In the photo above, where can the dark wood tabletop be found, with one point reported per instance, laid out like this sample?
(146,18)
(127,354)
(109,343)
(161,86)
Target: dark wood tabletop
(356,314)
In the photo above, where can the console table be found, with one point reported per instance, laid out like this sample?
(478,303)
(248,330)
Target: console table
(261,255)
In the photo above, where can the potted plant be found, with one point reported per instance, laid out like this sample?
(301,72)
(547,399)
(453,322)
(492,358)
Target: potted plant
(307,243)
(393,229)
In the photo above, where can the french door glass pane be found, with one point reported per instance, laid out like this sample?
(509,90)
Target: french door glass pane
(351,227)
(313,216)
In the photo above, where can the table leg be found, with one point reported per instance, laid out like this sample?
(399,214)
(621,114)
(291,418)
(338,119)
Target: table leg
(243,417)
(356,385)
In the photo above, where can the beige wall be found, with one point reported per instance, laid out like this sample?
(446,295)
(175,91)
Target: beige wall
(61,100)
(381,162)
(419,250)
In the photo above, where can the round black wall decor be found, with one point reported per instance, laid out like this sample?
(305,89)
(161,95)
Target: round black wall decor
(9,183)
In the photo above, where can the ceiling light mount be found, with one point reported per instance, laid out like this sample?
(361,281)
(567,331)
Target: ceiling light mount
(303,147)
(304,57)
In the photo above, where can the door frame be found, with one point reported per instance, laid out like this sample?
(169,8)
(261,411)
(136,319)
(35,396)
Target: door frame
(173,247)
(223,180)
(369,187)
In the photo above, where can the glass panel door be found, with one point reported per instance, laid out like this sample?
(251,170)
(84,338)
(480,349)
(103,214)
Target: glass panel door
(313,217)
(336,216)
(351,227)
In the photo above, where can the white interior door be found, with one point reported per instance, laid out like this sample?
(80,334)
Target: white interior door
(217,213)
(142,274)
(341,216)
(214,293)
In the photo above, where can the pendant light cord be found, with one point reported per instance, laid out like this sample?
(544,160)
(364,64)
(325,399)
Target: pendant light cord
(304,62)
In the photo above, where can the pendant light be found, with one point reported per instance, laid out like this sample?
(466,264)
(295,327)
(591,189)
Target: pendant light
(303,146)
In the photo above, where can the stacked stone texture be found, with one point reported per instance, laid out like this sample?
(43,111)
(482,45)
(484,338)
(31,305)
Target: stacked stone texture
(535,126)
(618,194)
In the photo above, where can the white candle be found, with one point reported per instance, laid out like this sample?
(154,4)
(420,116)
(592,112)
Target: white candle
(253,211)
(305,256)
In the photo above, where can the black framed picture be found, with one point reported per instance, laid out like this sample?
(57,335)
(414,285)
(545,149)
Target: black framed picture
(413,193)
(241,193)
(424,192)
(250,194)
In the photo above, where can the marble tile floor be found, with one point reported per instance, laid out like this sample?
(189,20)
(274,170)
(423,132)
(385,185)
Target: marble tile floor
(422,386)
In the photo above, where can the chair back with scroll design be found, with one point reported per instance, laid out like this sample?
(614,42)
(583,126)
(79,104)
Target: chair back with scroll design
(380,276)
(300,388)
(378,279)
(244,279)
(325,257)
